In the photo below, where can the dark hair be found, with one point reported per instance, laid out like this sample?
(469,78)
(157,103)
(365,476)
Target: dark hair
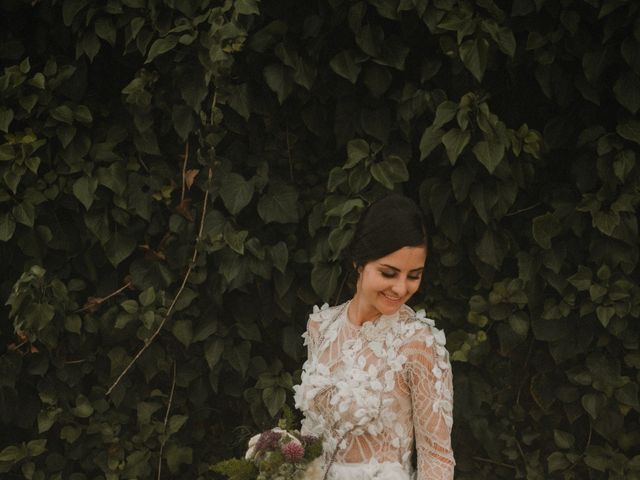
(385,226)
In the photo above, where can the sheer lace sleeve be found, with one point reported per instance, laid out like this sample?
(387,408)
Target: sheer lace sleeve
(428,375)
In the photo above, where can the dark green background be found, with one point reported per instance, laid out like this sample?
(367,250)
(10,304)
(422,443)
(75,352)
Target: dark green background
(135,133)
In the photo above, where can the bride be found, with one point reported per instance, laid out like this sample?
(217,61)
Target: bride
(377,380)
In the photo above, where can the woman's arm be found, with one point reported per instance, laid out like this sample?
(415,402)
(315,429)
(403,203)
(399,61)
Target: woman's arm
(430,381)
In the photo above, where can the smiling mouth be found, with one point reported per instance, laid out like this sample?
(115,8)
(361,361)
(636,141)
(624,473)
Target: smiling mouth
(391,299)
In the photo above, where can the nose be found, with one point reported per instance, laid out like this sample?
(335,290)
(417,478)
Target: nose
(399,287)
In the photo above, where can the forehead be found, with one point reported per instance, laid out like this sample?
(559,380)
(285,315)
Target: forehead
(405,258)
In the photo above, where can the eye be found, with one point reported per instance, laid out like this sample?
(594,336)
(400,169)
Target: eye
(388,274)
(414,277)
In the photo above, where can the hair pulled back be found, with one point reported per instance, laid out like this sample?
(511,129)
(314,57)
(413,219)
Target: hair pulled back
(386,225)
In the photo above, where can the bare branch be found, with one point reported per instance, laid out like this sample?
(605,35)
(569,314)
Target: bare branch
(166,420)
(150,340)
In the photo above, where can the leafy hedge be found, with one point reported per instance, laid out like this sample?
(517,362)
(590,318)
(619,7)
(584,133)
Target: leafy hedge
(179,179)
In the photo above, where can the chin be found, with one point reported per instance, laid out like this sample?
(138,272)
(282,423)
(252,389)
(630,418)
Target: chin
(386,307)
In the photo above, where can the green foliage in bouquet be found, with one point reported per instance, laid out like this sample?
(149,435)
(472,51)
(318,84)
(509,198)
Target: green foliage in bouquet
(277,454)
(236,469)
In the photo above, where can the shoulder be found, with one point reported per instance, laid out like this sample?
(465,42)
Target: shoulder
(322,317)
(420,330)
(324,313)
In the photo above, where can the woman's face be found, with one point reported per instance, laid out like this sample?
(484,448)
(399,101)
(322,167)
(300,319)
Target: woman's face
(386,283)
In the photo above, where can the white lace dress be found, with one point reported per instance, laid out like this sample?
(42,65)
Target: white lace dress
(371,390)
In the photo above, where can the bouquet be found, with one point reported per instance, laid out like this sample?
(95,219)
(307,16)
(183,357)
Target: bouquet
(276,454)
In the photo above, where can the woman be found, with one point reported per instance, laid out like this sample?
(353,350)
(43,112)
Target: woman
(377,379)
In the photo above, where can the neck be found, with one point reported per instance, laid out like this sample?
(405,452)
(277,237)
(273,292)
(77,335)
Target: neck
(359,314)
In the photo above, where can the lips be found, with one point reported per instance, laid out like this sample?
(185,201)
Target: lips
(391,299)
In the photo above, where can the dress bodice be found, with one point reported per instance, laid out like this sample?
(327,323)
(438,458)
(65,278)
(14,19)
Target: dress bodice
(372,390)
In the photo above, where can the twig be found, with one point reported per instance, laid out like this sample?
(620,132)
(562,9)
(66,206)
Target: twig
(166,419)
(98,301)
(289,153)
(142,162)
(524,377)
(522,210)
(150,340)
(184,170)
(488,460)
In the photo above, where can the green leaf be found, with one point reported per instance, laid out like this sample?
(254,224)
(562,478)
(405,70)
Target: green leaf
(629,130)
(73,323)
(161,46)
(65,133)
(90,45)
(12,454)
(83,408)
(628,395)
(623,164)
(183,120)
(279,204)
(454,141)
(63,114)
(235,239)
(177,455)
(324,279)
(246,7)
(279,254)
(593,404)
(544,228)
(70,9)
(430,139)
(7,227)
(279,80)
(274,398)
(563,440)
(84,189)
(24,213)
(70,433)
(239,356)
(6,117)
(489,153)
(557,461)
(105,30)
(490,249)
(627,91)
(357,150)
(213,350)
(240,100)
(594,63)
(473,54)
(519,323)
(581,279)
(359,178)
(445,112)
(119,247)
(176,422)
(236,192)
(390,171)
(604,314)
(344,64)
(145,411)
(46,419)
(147,297)
(377,79)
(183,331)
(83,114)
(606,221)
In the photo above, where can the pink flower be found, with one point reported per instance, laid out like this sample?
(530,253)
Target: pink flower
(268,440)
(293,451)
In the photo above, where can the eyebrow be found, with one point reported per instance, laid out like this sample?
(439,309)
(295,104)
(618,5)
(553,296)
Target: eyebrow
(397,269)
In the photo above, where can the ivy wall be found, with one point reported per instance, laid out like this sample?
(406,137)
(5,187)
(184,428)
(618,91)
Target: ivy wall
(178,179)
